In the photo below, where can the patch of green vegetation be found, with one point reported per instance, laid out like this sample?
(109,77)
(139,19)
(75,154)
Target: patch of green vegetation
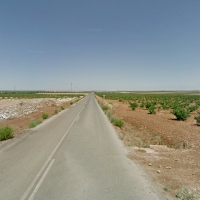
(165,188)
(6,133)
(192,108)
(71,103)
(45,115)
(39,94)
(117,122)
(133,105)
(55,112)
(62,107)
(151,109)
(34,123)
(184,194)
(181,113)
(104,107)
(197,118)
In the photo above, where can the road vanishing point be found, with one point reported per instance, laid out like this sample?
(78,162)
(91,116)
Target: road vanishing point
(75,155)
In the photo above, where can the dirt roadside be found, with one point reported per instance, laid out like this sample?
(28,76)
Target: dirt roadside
(22,111)
(167,149)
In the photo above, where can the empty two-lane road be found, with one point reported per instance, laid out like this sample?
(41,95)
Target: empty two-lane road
(74,155)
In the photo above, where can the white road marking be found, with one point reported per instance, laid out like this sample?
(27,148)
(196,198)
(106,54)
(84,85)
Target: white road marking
(77,118)
(41,180)
(47,161)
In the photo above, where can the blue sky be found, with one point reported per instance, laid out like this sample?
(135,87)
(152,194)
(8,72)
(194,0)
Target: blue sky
(100,44)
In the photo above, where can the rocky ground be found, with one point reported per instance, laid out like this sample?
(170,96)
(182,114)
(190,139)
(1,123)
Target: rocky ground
(17,113)
(167,149)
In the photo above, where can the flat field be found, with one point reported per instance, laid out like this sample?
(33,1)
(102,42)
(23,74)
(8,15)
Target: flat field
(167,148)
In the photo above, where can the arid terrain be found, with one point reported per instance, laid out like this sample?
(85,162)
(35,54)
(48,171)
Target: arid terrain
(167,149)
(17,113)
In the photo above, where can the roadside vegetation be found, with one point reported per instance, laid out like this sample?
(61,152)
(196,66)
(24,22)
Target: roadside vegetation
(34,123)
(6,133)
(185,194)
(45,115)
(55,112)
(114,120)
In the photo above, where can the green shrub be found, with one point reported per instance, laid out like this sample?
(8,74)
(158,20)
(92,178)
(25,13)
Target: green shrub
(117,122)
(133,105)
(110,115)
(55,112)
(180,113)
(151,109)
(142,105)
(149,104)
(197,118)
(105,107)
(192,108)
(45,115)
(6,133)
(184,194)
(34,123)
(71,103)
(62,107)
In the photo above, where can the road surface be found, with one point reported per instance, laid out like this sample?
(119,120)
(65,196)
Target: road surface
(74,155)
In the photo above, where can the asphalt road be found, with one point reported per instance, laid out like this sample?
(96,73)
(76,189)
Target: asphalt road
(73,155)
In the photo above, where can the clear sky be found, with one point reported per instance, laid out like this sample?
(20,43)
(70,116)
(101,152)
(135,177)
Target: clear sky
(100,44)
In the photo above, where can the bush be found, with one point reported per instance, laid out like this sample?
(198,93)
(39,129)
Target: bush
(133,105)
(151,109)
(104,107)
(117,122)
(192,108)
(149,104)
(184,194)
(181,114)
(6,133)
(142,105)
(62,107)
(110,115)
(55,112)
(34,123)
(45,115)
(197,119)
(71,103)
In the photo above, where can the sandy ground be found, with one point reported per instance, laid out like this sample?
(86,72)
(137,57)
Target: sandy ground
(167,149)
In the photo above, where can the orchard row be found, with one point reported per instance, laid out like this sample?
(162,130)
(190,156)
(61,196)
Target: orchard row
(180,104)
